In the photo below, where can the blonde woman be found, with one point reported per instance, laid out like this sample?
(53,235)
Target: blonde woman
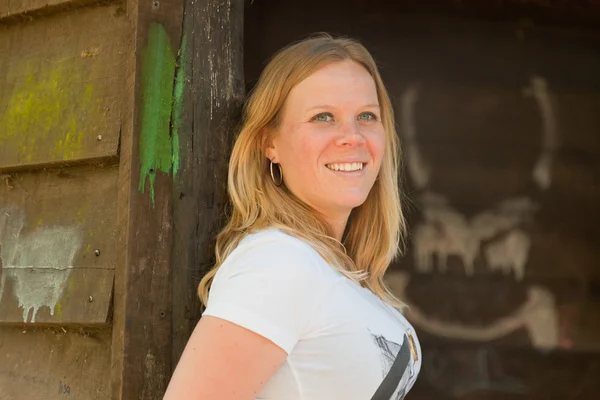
(296,305)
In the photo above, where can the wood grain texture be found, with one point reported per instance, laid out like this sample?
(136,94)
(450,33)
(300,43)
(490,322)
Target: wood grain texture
(52,364)
(15,8)
(57,240)
(60,101)
(141,356)
(212,76)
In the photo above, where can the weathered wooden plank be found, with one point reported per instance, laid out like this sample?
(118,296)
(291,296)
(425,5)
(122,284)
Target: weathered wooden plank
(141,357)
(13,8)
(48,295)
(60,100)
(212,75)
(57,240)
(53,364)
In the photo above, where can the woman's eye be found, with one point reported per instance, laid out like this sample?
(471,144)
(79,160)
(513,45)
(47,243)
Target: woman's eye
(323,117)
(367,116)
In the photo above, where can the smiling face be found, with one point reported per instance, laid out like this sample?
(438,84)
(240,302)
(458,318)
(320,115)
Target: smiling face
(331,141)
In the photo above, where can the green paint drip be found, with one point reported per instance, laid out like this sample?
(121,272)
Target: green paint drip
(158,70)
(178,101)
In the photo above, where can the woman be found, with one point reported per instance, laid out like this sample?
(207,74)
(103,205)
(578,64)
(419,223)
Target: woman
(297,308)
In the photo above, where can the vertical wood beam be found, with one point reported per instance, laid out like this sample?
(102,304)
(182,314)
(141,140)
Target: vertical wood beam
(211,92)
(141,350)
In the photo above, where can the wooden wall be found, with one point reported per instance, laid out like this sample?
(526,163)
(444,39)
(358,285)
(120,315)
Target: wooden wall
(108,114)
(61,100)
(497,109)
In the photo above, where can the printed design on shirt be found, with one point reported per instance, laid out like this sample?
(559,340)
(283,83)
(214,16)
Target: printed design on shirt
(389,352)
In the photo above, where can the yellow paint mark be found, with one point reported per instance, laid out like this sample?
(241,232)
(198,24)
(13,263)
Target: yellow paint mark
(80,217)
(38,222)
(46,114)
(58,310)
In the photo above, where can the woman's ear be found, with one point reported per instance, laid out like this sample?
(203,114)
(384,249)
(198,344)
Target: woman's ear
(268,145)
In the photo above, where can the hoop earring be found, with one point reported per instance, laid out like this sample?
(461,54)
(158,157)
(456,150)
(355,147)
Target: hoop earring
(273,175)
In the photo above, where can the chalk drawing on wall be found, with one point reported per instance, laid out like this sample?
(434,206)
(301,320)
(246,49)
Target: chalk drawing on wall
(446,232)
(537,315)
(495,235)
(38,264)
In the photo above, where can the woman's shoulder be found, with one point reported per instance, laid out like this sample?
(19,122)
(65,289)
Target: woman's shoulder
(272,255)
(276,241)
(272,246)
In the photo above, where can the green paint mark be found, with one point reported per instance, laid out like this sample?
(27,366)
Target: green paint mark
(158,71)
(44,114)
(178,91)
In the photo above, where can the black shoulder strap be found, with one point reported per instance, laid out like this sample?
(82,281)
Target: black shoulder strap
(392,379)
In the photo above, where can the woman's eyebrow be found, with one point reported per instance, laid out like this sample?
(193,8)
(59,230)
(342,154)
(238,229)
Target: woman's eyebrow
(321,106)
(328,107)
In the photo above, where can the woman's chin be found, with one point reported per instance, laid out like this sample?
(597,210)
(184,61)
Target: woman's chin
(351,202)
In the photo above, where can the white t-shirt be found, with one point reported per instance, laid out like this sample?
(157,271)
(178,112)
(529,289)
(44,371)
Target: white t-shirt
(342,341)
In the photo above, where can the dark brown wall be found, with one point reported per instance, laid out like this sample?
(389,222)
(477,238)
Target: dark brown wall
(497,88)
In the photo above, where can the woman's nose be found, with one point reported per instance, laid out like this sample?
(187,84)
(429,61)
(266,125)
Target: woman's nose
(350,135)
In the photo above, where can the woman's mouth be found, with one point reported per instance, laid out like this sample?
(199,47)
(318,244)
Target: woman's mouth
(353,166)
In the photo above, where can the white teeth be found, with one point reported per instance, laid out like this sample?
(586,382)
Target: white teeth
(346,166)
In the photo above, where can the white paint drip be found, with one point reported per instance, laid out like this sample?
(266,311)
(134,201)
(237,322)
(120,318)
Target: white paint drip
(446,232)
(542,170)
(509,254)
(417,168)
(38,264)
(537,315)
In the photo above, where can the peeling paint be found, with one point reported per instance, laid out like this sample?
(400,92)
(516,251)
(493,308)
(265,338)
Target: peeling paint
(180,78)
(38,263)
(158,73)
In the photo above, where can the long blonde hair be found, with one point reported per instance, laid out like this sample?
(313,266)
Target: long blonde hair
(375,229)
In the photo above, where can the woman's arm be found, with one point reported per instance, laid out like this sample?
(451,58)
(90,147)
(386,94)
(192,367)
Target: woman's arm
(224,361)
